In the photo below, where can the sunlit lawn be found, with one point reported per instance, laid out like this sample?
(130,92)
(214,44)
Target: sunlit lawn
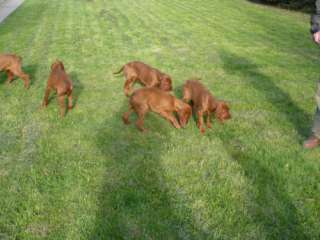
(88,176)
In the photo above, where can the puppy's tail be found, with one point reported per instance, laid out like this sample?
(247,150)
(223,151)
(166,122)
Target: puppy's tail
(119,70)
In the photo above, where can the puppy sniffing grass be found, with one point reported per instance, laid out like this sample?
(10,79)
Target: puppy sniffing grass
(153,99)
(205,103)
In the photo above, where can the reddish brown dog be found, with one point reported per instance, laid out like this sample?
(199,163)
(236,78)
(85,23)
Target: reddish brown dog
(12,64)
(144,100)
(60,82)
(146,75)
(204,103)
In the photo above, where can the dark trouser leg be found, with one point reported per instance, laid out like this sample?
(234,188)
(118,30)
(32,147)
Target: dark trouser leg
(316,123)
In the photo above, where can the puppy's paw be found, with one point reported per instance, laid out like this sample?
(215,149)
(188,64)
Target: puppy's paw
(127,93)
(143,130)
(126,120)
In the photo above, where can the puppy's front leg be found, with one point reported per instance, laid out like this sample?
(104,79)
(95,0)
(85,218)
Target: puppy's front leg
(200,121)
(171,118)
(186,95)
(70,104)
(25,77)
(209,125)
(140,121)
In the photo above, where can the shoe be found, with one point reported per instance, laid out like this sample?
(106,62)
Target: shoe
(312,142)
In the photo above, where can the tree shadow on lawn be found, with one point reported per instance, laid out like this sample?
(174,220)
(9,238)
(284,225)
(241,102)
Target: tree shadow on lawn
(135,202)
(297,6)
(77,87)
(31,70)
(272,207)
(280,99)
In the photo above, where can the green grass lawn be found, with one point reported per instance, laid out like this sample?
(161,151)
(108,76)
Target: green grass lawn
(88,176)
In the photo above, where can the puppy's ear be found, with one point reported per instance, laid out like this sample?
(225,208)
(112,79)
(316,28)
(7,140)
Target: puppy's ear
(222,111)
(61,65)
(222,104)
(166,83)
(226,105)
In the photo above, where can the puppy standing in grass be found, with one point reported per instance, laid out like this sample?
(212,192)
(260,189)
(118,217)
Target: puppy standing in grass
(146,75)
(12,64)
(204,103)
(144,100)
(60,82)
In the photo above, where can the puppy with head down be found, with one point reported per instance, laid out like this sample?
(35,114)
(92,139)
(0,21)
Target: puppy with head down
(156,100)
(205,103)
(146,75)
(59,82)
(12,64)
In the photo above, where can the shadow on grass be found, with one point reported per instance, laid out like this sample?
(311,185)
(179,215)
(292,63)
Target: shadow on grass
(31,70)
(272,209)
(77,87)
(3,77)
(135,202)
(302,6)
(280,99)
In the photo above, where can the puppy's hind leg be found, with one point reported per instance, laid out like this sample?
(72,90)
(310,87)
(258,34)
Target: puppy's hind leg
(140,122)
(126,115)
(70,103)
(62,104)
(10,76)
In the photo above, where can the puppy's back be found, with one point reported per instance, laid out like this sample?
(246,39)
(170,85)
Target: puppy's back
(196,89)
(9,59)
(153,97)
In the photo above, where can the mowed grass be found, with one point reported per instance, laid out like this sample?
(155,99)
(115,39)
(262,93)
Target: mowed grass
(88,176)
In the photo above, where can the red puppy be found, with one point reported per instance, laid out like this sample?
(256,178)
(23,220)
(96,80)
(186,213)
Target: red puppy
(204,103)
(12,64)
(60,82)
(146,75)
(144,100)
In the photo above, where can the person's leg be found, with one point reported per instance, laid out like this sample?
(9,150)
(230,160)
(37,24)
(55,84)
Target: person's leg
(316,124)
(314,140)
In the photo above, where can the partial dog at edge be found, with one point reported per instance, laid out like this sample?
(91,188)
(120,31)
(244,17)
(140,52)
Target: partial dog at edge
(12,64)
